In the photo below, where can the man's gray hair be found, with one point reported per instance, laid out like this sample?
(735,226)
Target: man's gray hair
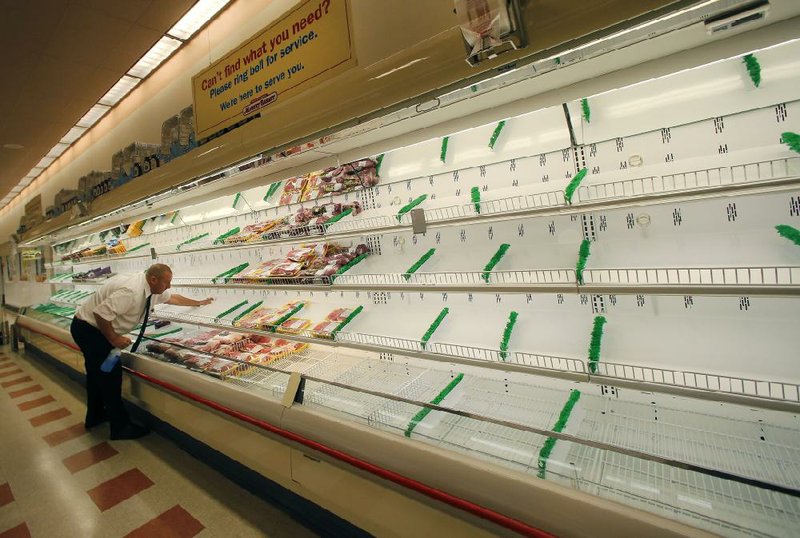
(158,270)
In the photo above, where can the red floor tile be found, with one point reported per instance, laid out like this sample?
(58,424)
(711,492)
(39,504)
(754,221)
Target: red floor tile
(174,523)
(6,364)
(20,531)
(123,487)
(5,494)
(24,406)
(11,372)
(26,390)
(87,458)
(6,384)
(48,417)
(67,434)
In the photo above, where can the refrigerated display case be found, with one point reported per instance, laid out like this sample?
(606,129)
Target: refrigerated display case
(585,308)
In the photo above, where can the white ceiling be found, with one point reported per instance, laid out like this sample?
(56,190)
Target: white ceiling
(59,57)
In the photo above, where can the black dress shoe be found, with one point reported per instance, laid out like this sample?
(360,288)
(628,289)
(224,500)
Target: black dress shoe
(128,431)
(91,422)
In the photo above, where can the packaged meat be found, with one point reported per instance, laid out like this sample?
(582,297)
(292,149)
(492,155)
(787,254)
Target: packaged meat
(198,362)
(324,328)
(222,368)
(261,340)
(339,314)
(208,347)
(157,347)
(287,269)
(294,325)
(302,254)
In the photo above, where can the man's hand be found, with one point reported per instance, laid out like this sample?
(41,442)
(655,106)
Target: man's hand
(207,300)
(121,342)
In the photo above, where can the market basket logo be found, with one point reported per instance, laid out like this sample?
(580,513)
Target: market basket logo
(259,103)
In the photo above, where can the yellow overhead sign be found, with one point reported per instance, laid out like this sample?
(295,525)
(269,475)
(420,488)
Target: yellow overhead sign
(309,44)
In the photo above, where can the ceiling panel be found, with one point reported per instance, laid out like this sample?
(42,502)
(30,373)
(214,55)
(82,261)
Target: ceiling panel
(62,56)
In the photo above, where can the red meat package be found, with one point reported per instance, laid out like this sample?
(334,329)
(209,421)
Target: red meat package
(198,362)
(286,270)
(221,367)
(157,347)
(294,325)
(339,314)
(305,253)
(293,190)
(258,318)
(325,328)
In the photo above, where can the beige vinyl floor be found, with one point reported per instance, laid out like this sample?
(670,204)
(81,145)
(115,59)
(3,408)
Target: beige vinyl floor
(57,480)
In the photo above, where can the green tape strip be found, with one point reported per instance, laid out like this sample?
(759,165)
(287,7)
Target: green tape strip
(347,320)
(338,217)
(226,235)
(434,326)
(231,272)
(595,342)
(378,163)
(496,133)
(286,316)
(561,423)
(512,320)
(569,192)
(272,189)
(411,205)
(436,401)
(165,333)
(587,112)
(137,247)
(753,69)
(792,140)
(247,311)
(487,269)
(443,152)
(236,199)
(788,232)
(419,263)
(349,265)
(192,240)
(174,216)
(583,257)
(232,309)
(475,194)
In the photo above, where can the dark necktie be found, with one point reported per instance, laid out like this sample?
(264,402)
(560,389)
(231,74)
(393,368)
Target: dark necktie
(144,324)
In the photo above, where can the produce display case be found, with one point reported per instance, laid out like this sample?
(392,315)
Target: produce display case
(595,301)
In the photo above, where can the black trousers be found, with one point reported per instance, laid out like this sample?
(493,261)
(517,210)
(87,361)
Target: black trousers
(103,390)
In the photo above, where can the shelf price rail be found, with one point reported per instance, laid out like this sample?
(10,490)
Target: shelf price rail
(758,392)
(776,173)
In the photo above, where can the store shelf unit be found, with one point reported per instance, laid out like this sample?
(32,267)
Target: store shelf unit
(686,444)
(606,306)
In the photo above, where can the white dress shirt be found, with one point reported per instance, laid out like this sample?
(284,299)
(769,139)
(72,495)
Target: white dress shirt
(121,301)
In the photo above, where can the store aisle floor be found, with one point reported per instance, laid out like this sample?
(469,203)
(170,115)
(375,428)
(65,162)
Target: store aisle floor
(56,479)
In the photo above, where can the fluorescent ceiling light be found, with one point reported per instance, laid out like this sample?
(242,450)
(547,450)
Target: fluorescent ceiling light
(196,17)
(35,171)
(91,117)
(58,149)
(153,57)
(45,162)
(73,134)
(119,90)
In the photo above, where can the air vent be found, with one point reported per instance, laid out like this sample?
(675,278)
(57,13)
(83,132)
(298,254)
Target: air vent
(745,15)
